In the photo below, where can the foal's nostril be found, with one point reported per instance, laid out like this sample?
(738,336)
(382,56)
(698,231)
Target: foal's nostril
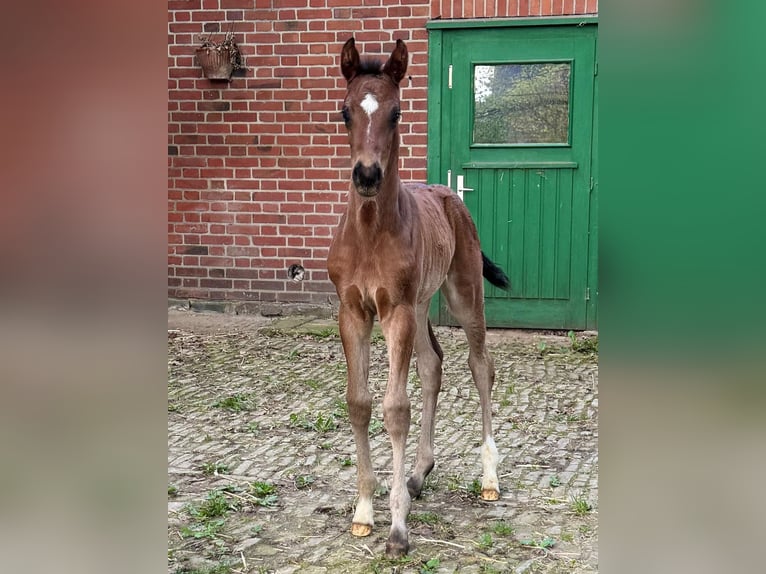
(367,176)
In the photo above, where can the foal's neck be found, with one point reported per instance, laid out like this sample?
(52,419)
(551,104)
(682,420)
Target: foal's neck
(382,212)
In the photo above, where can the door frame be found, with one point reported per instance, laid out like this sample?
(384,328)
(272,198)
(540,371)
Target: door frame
(436,166)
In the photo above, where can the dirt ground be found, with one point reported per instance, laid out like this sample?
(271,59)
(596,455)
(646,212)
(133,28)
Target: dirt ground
(261,461)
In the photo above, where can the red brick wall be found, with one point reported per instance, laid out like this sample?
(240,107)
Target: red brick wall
(258,168)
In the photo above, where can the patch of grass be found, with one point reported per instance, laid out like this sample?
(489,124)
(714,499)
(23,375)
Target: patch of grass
(341,409)
(567,536)
(264,494)
(259,488)
(377,337)
(321,423)
(485,541)
(304,481)
(346,461)
(254,427)
(325,333)
(580,505)
(326,446)
(236,403)
(429,566)
(172,490)
(206,529)
(325,423)
(215,505)
(213,468)
(545,543)
(454,482)
(293,354)
(502,529)
(475,488)
(583,345)
(489,569)
(429,518)
(375,427)
(430,484)
(554,481)
(312,383)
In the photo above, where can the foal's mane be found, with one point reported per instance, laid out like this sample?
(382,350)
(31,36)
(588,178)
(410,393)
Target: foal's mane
(369,67)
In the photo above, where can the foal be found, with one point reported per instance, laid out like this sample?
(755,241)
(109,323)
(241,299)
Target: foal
(394,247)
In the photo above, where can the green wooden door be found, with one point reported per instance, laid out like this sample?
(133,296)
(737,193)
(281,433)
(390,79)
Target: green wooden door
(516,119)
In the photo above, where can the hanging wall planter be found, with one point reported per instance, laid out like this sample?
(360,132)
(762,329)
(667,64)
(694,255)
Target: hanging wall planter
(219,60)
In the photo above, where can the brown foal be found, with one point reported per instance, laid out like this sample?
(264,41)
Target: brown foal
(394,247)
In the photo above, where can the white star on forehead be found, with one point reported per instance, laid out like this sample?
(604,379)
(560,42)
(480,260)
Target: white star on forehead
(369,104)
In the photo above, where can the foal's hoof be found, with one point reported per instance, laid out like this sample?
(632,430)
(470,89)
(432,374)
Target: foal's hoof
(414,487)
(490,494)
(397,546)
(360,530)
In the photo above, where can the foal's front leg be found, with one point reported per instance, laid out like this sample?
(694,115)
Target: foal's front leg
(355,328)
(399,330)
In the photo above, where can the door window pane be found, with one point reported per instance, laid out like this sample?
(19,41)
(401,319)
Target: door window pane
(521,104)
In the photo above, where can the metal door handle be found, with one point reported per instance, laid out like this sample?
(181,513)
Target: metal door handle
(460,188)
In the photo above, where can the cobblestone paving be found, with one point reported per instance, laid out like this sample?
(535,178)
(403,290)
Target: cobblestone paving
(261,474)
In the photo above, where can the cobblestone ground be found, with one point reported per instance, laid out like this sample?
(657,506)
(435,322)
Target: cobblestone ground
(261,461)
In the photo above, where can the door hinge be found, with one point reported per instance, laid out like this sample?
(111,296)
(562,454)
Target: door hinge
(591,184)
(595,68)
(449,77)
(587,293)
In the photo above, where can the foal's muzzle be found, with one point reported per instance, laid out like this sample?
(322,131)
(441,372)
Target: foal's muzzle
(367,178)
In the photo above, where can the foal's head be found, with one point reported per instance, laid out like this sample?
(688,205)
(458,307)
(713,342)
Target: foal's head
(371,113)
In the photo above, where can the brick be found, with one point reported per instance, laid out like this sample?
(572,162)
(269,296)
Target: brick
(246,4)
(174,5)
(314,15)
(259,284)
(216,261)
(191,272)
(215,283)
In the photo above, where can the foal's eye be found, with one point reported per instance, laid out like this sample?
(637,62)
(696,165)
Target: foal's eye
(396,114)
(346,115)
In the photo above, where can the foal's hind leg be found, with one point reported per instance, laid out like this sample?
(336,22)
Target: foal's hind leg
(429,363)
(465,298)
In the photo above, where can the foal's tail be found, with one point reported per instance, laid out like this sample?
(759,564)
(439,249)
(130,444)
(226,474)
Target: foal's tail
(494,274)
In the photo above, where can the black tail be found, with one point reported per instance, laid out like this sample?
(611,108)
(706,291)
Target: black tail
(494,274)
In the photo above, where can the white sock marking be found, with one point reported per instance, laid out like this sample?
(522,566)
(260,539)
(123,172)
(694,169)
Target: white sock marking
(489,459)
(363,513)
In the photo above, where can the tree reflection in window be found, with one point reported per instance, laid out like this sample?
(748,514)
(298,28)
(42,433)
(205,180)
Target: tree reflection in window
(521,104)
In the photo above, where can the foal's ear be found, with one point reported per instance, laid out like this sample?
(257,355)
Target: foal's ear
(397,63)
(349,59)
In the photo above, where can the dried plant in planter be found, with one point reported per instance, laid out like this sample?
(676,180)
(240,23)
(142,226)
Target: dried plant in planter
(219,60)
